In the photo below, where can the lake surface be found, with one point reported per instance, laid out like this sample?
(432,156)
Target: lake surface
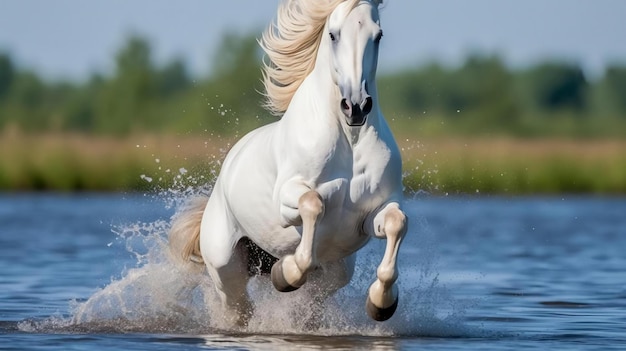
(88,272)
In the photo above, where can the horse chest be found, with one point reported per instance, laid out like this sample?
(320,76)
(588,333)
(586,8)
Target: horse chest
(368,173)
(357,180)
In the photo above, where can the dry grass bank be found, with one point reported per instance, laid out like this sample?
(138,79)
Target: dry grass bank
(515,166)
(69,162)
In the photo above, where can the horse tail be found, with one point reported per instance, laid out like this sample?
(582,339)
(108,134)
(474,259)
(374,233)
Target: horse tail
(184,235)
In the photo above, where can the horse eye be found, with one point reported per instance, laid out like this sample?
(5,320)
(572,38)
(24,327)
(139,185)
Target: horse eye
(332,37)
(379,36)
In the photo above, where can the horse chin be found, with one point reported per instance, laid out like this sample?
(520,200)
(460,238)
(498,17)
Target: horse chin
(356,121)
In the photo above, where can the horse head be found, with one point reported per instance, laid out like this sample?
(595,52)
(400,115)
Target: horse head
(354,34)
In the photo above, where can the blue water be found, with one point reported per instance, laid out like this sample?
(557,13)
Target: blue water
(88,272)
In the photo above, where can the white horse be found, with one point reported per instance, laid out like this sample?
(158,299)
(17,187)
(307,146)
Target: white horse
(306,192)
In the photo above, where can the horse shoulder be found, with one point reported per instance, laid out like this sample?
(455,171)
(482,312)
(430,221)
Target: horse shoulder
(308,148)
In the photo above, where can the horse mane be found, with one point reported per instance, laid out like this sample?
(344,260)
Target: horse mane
(291,44)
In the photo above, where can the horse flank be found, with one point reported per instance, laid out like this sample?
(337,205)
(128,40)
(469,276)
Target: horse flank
(291,44)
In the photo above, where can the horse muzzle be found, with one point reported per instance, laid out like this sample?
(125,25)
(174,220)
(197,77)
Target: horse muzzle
(356,114)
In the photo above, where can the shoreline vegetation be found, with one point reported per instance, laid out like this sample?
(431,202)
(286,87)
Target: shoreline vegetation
(477,127)
(443,165)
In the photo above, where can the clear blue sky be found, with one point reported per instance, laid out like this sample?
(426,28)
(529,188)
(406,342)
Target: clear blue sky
(71,38)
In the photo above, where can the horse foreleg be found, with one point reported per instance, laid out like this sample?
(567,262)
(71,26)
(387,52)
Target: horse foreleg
(289,273)
(382,297)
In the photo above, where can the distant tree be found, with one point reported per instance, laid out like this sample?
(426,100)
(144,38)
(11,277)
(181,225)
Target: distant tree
(7,74)
(480,96)
(235,84)
(25,101)
(237,56)
(414,91)
(28,90)
(557,86)
(134,70)
(125,101)
(173,78)
(614,81)
(81,105)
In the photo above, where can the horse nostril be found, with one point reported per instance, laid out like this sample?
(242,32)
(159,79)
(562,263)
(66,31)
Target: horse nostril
(346,108)
(344,104)
(367,107)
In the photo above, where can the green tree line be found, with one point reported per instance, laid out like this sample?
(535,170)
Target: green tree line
(482,96)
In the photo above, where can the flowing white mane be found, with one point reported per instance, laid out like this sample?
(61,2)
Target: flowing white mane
(291,44)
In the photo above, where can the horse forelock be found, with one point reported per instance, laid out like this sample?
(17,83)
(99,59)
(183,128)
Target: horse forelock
(291,44)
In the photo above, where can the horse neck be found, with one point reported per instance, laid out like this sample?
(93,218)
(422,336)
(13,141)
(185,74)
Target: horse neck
(316,102)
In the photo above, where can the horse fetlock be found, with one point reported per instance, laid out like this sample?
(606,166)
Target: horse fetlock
(286,275)
(304,259)
(387,275)
(382,295)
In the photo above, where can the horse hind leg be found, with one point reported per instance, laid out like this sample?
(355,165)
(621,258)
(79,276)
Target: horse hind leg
(225,257)
(289,273)
(230,279)
(382,296)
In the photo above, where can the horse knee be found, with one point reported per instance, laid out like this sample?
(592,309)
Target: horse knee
(387,275)
(395,222)
(389,221)
(311,204)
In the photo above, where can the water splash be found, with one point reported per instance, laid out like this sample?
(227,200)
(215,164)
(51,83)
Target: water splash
(157,296)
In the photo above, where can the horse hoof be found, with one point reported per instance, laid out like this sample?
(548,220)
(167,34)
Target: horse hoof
(278,278)
(380,314)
